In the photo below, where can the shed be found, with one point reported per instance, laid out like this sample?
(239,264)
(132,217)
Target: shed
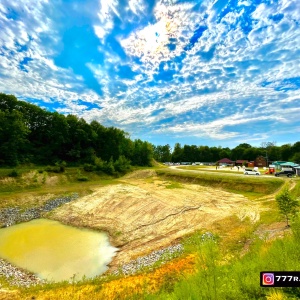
(297,170)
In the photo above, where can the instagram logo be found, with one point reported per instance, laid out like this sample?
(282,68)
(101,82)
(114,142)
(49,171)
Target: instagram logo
(268,279)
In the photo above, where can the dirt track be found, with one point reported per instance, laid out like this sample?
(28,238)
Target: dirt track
(142,214)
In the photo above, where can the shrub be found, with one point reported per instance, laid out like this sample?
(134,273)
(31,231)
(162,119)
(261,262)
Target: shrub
(122,164)
(82,178)
(88,168)
(108,167)
(54,169)
(287,204)
(98,164)
(61,165)
(13,173)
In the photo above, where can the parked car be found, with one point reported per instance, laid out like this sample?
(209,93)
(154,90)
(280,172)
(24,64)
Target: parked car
(251,172)
(285,173)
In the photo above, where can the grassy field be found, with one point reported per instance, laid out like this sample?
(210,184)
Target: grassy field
(222,265)
(229,182)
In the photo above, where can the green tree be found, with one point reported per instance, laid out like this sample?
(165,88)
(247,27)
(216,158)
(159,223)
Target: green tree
(286,152)
(287,204)
(13,137)
(296,158)
(162,153)
(177,153)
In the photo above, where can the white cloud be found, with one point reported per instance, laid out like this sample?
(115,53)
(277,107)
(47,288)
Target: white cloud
(107,11)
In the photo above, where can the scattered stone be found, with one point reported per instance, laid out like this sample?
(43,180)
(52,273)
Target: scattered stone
(17,276)
(149,260)
(14,215)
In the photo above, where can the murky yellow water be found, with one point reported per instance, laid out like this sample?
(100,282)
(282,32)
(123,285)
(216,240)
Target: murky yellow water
(54,251)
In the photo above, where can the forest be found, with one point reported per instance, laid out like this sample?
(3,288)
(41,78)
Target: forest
(194,153)
(32,135)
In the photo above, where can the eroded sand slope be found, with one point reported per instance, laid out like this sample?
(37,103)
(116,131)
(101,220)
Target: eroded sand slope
(144,214)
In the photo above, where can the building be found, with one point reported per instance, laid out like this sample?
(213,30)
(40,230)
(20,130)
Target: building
(297,170)
(277,164)
(260,162)
(251,164)
(241,162)
(225,162)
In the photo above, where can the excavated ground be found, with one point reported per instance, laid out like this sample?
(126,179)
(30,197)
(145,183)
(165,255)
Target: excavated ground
(145,213)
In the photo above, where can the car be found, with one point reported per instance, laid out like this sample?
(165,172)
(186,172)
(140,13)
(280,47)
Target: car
(251,172)
(285,173)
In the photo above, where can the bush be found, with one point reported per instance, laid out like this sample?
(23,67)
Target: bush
(82,178)
(61,165)
(58,168)
(122,164)
(88,168)
(13,173)
(98,164)
(287,204)
(54,169)
(108,167)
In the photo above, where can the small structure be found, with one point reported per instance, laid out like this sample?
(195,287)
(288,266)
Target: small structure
(297,170)
(277,164)
(241,162)
(271,169)
(225,162)
(260,162)
(251,164)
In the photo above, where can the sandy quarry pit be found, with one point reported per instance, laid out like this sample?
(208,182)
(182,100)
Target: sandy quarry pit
(142,214)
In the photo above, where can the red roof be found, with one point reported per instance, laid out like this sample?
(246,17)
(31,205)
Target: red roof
(225,160)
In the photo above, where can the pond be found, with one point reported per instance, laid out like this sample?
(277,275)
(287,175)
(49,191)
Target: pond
(54,251)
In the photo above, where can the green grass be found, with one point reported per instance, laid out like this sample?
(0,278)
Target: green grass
(229,182)
(174,185)
(22,191)
(296,190)
(238,278)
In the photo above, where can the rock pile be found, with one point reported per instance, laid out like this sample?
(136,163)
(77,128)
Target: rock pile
(17,276)
(13,215)
(149,260)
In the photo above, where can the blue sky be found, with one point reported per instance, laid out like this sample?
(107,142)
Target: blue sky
(207,72)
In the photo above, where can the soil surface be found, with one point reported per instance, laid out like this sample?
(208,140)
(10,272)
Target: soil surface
(145,213)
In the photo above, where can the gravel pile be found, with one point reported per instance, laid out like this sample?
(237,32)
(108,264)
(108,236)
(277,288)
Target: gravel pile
(17,276)
(14,215)
(149,260)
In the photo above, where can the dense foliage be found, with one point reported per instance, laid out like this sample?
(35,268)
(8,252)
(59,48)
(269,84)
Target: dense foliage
(30,134)
(193,153)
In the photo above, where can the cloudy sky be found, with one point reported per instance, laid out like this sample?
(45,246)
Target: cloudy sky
(206,72)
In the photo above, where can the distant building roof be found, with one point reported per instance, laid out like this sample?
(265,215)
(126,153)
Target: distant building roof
(225,160)
(240,161)
(278,162)
(289,163)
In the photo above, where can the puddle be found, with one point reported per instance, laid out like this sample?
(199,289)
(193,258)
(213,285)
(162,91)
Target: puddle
(54,251)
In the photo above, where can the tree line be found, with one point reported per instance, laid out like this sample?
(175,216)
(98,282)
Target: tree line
(193,153)
(30,134)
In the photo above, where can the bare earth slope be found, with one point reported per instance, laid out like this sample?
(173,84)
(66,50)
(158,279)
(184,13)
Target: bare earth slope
(141,215)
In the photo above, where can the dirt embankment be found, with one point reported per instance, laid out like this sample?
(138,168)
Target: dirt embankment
(144,214)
